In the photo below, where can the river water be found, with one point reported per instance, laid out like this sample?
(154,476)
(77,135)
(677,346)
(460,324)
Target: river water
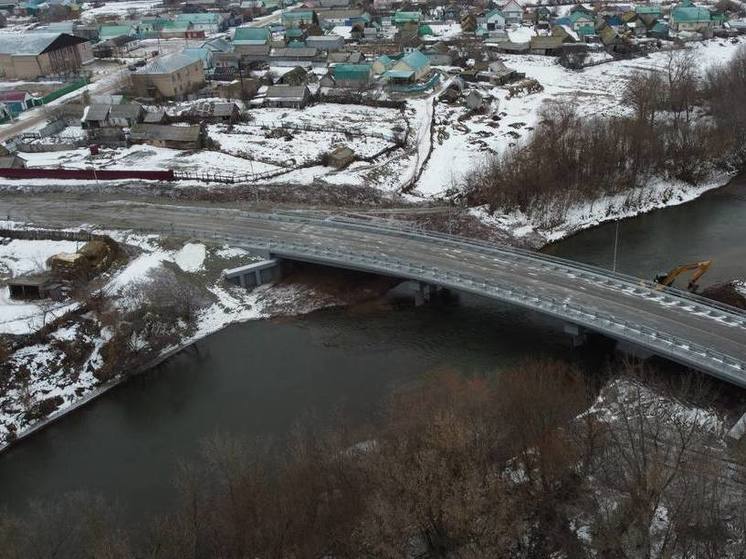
(261,378)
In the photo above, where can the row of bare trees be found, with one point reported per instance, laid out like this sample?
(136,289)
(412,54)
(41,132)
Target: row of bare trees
(516,466)
(681,125)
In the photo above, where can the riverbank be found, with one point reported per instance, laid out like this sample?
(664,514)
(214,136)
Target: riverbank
(166,297)
(565,220)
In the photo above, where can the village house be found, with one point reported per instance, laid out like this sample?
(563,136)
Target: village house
(107,115)
(410,67)
(252,40)
(207,23)
(686,17)
(294,56)
(297,76)
(202,54)
(33,55)
(288,97)
(580,20)
(160,135)
(352,76)
(512,11)
(326,42)
(180,30)
(402,18)
(171,76)
(16,101)
(299,18)
(494,19)
(107,32)
(215,113)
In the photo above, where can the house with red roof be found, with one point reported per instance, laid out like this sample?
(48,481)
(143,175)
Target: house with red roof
(15,100)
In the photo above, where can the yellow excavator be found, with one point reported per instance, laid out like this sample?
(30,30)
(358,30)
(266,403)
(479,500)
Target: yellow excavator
(699,269)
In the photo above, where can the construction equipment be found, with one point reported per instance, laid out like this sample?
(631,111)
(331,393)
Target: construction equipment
(699,269)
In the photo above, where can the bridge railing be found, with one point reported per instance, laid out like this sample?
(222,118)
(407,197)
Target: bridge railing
(626,280)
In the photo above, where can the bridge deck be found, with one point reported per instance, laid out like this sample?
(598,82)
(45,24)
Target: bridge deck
(687,329)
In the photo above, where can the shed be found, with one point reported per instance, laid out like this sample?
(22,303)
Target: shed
(33,287)
(177,137)
(157,116)
(287,96)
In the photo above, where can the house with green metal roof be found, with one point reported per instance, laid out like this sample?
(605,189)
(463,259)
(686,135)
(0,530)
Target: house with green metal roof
(382,64)
(580,19)
(250,36)
(207,22)
(586,31)
(425,30)
(107,32)
(299,18)
(414,63)
(201,53)
(353,76)
(659,30)
(294,33)
(691,18)
(649,9)
(150,26)
(402,18)
(176,29)
(718,18)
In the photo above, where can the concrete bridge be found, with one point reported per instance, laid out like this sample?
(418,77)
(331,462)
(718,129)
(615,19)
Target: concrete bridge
(680,326)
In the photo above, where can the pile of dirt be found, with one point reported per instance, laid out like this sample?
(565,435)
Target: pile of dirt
(731,293)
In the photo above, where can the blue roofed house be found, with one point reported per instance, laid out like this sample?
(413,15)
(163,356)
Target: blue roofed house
(410,67)
(691,18)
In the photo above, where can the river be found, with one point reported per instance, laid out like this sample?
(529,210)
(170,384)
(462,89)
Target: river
(260,378)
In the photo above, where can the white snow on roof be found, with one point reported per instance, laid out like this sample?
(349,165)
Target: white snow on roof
(25,43)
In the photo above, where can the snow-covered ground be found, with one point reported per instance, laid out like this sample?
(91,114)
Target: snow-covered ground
(71,365)
(121,9)
(594,91)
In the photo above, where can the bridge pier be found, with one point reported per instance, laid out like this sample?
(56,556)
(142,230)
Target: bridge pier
(254,274)
(422,294)
(577,334)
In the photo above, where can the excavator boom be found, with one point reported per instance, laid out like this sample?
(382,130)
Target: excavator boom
(699,269)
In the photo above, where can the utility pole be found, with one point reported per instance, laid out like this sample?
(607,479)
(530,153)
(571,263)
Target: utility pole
(616,245)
